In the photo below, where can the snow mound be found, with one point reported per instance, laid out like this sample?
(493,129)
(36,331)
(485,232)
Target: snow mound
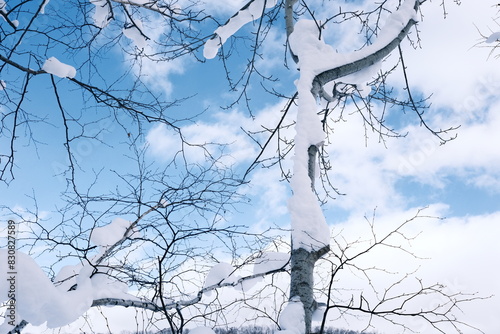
(38,300)
(102,13)
(291,319)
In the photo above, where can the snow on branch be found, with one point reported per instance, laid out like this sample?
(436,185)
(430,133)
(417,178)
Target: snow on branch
(3,13)
(250,12)
(102,13)
(113,235)
(319,64)
(394,31)
(57,68)
(38,300)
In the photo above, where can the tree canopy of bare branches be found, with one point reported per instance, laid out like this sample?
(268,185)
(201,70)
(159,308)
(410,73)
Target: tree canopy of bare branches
(152,233)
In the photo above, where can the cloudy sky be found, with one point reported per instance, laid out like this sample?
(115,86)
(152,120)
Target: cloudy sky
(458,181)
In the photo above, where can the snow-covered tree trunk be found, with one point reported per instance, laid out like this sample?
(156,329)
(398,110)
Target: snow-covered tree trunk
(319,64)
(303,260)
(310,233)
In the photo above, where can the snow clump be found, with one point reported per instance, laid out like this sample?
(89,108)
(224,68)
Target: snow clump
(55,67)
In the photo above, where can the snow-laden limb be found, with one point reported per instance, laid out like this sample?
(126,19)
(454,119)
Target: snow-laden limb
(339,66)
(309,228)
(57,68)
(121,231)
(77,288)
(219,274)
(38,300)
(3,85)
(145,305)
(319,64)
(224,282)
(153,5)
(110,234)
(250,12)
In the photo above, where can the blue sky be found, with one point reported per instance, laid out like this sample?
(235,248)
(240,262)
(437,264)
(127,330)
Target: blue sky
(459,181)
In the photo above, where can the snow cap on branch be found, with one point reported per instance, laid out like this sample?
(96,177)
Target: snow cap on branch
(133,33)
(110,234)
(102,13)
(38,300)
(316,57)
(42,9)
(250,12)
(55,67)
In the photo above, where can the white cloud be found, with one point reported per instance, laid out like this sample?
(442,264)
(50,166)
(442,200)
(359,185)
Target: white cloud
(221,134)
(150,64)
(448,65)
(163,142)
(458,253)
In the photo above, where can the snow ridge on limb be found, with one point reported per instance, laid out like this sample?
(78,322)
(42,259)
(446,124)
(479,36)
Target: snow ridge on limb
(248,13)
(394,31)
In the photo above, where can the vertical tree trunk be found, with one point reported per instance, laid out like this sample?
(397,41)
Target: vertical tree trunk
(303,262)
(302,282)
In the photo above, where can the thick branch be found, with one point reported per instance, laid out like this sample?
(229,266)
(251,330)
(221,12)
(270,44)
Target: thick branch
(126,303)
(20,67)
(332,74)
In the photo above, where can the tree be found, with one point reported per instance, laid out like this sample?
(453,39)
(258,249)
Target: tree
(172,213)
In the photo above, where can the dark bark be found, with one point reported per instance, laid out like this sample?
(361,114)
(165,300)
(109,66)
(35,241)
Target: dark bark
(303,261)
(302,280)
